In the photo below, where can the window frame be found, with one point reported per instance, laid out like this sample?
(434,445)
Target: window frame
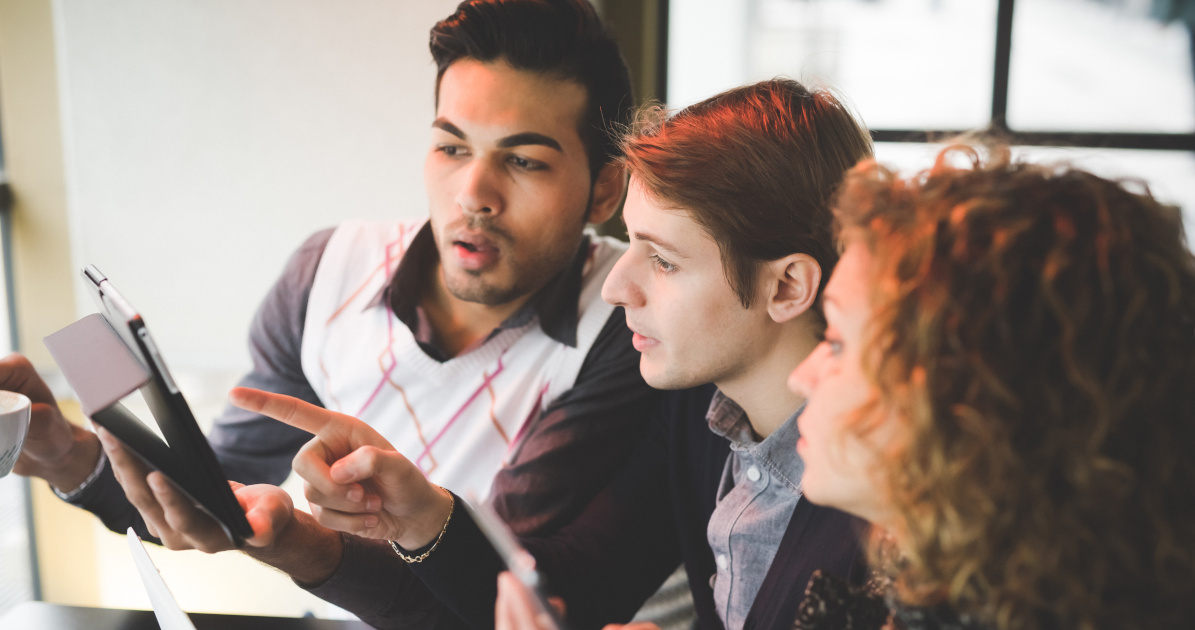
(997,125)
(6,206)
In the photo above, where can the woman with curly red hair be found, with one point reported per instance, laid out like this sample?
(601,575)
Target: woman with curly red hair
(1007,390)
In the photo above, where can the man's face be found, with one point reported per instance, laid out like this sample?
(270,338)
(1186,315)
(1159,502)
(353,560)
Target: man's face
(689,324)
(508,180)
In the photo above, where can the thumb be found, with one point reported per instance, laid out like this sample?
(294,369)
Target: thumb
(370,462)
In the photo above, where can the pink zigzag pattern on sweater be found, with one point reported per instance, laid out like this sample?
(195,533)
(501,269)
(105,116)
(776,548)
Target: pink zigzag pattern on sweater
(456,416)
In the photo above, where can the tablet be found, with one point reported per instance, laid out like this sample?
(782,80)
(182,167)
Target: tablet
(108,355)
(518,560)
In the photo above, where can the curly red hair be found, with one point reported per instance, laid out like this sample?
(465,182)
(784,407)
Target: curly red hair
(1034,331)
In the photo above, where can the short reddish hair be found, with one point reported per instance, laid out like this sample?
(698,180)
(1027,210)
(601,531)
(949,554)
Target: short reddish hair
(756,167)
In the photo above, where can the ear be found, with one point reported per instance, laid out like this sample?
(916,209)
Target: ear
(792,286)
(608,191)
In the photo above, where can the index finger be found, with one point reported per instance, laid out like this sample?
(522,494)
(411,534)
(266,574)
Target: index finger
(323,423)
(285,409)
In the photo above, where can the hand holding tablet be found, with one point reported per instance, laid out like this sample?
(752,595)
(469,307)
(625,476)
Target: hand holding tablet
(173,517)
(105,357)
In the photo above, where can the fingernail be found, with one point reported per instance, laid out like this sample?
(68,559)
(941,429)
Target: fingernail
(371,522)
(373,504)
(355,494)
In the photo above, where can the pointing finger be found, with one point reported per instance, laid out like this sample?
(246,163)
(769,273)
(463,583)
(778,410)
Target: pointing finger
(285,409)
(337,430)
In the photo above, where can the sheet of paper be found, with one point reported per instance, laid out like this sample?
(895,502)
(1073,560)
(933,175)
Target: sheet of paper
(166,609)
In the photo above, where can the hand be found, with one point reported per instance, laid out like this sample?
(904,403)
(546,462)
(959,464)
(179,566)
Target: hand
(516,609)
(354,479)
(54,449)
(174,518)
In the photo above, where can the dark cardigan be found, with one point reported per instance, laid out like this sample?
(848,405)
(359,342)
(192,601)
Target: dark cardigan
(636,532)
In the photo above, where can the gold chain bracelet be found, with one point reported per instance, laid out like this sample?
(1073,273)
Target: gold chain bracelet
(423,556)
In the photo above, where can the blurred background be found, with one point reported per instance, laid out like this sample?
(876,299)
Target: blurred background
(187,147)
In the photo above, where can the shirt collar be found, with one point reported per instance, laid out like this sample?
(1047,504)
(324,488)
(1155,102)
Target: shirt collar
(778,451)
(555,304)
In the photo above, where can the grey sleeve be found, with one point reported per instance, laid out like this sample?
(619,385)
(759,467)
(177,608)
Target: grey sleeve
(253,448)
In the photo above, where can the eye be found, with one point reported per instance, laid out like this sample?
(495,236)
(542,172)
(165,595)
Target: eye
(525,164)
(661,264)
(451,150)
(833,342)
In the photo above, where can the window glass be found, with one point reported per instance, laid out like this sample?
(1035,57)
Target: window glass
(903,64)
(16,570)
(1088,65)
(16,581)
(1170,175)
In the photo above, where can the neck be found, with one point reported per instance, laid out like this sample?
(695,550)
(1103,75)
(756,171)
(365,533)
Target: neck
(458,324)
(762,391)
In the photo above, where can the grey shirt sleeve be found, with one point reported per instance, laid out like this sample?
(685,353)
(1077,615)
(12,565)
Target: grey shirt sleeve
(253,448)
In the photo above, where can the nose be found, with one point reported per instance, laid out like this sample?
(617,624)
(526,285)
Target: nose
(620,288)
(479,193)
(803,380)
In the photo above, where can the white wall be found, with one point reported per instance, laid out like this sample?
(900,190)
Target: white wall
(207,138)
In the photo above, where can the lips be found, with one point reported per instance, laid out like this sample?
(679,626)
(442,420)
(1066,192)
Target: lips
(475,251)
(641,342)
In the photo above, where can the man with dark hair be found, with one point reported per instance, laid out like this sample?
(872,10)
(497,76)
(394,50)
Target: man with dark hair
(476,340)
(578,49)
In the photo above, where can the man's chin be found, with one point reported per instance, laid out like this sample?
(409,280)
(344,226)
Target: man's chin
(661,377)
(480,290)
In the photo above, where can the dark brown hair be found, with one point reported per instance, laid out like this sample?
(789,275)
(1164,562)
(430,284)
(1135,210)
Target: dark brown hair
(756,167)
(1034,332)
(564,39)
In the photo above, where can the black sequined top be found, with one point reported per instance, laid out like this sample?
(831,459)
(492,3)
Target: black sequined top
(832,604)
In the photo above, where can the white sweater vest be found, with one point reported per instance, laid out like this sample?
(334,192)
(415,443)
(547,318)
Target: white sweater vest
(457,419)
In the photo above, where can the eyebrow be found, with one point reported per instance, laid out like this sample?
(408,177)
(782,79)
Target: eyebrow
(529,137)
(440,123)
(658,242)
(517,140)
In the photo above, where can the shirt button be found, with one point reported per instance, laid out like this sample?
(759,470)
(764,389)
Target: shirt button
(753,473)
(713,579)
(722,562)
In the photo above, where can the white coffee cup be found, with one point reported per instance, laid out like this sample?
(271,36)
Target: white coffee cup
(14,425)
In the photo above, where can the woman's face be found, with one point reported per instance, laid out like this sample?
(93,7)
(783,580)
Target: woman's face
(840,465)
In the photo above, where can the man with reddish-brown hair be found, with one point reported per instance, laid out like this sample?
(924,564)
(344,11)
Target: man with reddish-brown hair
(730,229)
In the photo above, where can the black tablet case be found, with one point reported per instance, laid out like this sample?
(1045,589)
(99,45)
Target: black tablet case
(103,367)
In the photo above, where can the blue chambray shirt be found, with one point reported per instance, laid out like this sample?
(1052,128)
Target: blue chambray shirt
(759,490)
